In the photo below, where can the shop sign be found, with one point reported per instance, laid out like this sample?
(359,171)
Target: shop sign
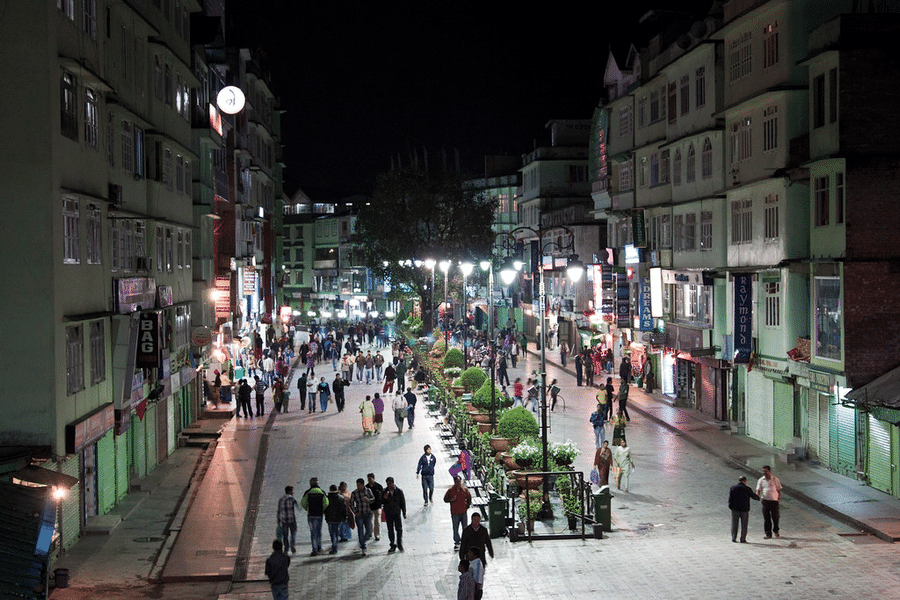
(644,302)
(821,381)
(201,336)
(623,302)
(249,280)
(743,317)
(771,365)
(134,293)
(148,341)
(89,429)
(223,297)
(164,296)
(639,229)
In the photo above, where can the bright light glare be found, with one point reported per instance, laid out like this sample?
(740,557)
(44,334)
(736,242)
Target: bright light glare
(444,265)
(466,268)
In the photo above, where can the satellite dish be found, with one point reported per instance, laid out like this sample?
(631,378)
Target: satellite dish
(230,100)
(698,29)
(684,41)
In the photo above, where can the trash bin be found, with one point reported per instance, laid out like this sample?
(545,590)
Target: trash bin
(602,511)
(498,508)
(61,578)
(238,373)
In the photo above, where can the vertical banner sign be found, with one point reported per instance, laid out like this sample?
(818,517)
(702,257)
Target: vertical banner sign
(148,341)
(639,229)
(223,297)
(623,302)
(644,302)
(743,317)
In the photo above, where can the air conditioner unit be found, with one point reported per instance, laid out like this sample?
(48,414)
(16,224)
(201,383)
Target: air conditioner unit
(142,263)
(115,195)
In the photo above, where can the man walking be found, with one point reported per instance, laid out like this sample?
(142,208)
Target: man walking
(476,535)
(425,468)
(563,352)
(411,399)
(287,518)
(269,367)
(769,489)
(399,408)
(460,500)
(502,373)
(335,514)
(401,374)
(260,388)
(390,374)
(361,500)
(314,502)
(377,492)
(277,571)
(739,503)
(243,392)
(337,387)
(379,363)
(394,506)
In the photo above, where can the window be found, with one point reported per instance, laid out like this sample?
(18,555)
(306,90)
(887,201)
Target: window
(694,304)
(839,198)
(822,201)
(71,240)
(740,57)
(770,45)
(644,173)
(673,102)
(89,17)
(770,129)
(741,141)
(94,237)
(642,111)
(91,135)
(167,85)
(690,232)
(626,176)
(167,168)
(662,101)
(160,249)
(577,173)
(188,256)
(74,359)
(158,89)
(664,166)
(67,8)
(98,352)
(661,232)
(691,168)
(127,147)
(771,227)
(139,229)
(286,255)
(700,87)
(187,177)
(741,221)
(818,101)
(68,106)
(832,95)
(773,304)
(654,107)
(676,168)
(828,317)
(685,94)
(625,121)
(706,229)
(654,169)
(110,139)
(138,151)
(170,251)
(679,233)
(179,173)
(706,160)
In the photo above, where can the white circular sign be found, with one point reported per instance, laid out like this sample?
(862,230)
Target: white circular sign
(201,336)
(230,100)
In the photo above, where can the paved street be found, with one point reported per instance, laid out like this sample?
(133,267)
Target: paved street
(671,535)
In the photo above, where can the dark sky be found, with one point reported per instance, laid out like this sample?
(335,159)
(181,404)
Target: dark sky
(360,81)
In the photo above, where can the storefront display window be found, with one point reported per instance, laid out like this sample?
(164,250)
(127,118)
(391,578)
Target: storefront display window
(828,317)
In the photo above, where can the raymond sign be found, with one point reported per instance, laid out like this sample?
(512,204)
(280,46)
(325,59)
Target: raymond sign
(743,317)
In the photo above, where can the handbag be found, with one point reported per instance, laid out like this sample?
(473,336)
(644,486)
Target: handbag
(595,477)
(279,531)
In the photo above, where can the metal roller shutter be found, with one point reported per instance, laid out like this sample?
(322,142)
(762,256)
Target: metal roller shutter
(879,455)
(812,424)
(150,428)
(139,445)
(106,473)
(170,418)
(759,407)
(824,429)
(843,442)
(783,408)
(70,518)
(123,443)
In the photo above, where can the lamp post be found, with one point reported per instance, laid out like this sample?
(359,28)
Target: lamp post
(429,264)
(487,265)
(466,268)
(445,267)
(574,270)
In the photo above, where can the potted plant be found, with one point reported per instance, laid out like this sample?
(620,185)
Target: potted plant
(472,379)
(527,453)
(529,508)
(517,424)
(564,453)
(453,358)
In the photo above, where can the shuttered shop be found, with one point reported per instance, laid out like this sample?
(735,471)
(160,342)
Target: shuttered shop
(70,519)
(880,454)
(783,405)
(759,407)
(139,445)
(106,473)
(842,425)
(123,461)
(817,425)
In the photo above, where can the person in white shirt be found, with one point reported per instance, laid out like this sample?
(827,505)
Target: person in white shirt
(769,490)
(269,367)
(476,566)
(399,405)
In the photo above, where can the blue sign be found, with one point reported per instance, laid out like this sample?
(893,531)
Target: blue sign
(743,317)
(644,305)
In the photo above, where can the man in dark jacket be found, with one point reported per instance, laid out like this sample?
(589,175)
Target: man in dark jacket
(314,502)
(277,571)
(337,387)
(301,388)
(260,389)
(739,503)
(377,491)
(394,506)
(335,514)
(244,391)
(476,535)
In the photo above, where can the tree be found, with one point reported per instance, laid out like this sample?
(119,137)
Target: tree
(417,215)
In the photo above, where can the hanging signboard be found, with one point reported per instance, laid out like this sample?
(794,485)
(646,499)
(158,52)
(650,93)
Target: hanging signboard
(223,297)
(639,229)
(148,341)
(623,302)
(644,303)
(743,317)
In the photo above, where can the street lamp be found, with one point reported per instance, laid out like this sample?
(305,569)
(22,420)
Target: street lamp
(486,265)
(466,268)
(429,264)
(445,267)
(574,271)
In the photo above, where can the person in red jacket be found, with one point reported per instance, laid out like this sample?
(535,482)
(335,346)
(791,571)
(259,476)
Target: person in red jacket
(460,499)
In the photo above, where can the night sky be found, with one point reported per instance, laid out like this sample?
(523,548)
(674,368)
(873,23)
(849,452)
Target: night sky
(361,82)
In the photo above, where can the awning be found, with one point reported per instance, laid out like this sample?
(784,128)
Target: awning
(882,391)
(42,476)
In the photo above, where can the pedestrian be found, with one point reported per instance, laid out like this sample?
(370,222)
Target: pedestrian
(625,464)
(311,361)
(419,377)
(378,360)
(533,393)
(460,500)
(244,392)
(287,518)
(608,360)
(394,505)
(390,374)
(377,491)
(563,352)
(269,367)
(425,468)
(337,387)
(465,461)
(769,490)
(401,374)
(647,372)
(619,422)
(260,388)
(466,589)
(301,391)
(347,368)
(399,408)
(622,397)
(554,393)
(602,403)
(603,460)
(378,403)
(598,422)
(502,374)
(335,514)
(625,371)
(589,369)
(514,351)
(518,392)
(314,502)
(277,571)
(579,369)
(610,395)
(361,500)
(324,394)
(739,503)
(367,410)
(369,363)
(476,535)
(313,393)
(411,399)
(345,530)
(476,566)
(278,395)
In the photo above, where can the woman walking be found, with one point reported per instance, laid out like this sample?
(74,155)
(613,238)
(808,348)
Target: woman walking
(367,410)
(379,412)
(625,464)
(603,460)
(619,421)
(324,394)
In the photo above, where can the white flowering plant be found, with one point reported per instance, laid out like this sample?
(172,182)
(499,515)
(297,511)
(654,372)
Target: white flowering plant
(564,452)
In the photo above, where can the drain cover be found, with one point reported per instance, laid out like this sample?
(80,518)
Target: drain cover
(144,540)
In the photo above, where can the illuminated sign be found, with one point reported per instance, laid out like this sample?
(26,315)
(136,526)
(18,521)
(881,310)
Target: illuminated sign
(148,341)
(230,100)
(743,317)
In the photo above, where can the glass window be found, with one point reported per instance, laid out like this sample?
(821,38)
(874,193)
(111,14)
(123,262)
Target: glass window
(772,224)
(839,192)
(68,106)
(770,128)
(94,236)
(740,57)
(71,225)
(741,221)
(706,160)
(98,352)
(691,168)
(685,94)
(91,135)
(690,232)
(706,228)
(773,304)
(828,318)
(74,359)
(676,168)
(770,45)
(822,201)
(700,87)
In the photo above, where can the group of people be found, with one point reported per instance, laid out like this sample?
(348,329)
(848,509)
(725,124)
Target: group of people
(403,405)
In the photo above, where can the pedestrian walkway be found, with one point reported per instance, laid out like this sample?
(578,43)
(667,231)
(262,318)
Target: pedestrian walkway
(853,502)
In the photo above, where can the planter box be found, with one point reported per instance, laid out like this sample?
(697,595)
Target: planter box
(500,444)
(508,462)
(533,483)
(480,417)
(484,428)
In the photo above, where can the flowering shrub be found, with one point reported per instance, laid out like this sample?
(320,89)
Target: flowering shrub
(563,453)
(528,450)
